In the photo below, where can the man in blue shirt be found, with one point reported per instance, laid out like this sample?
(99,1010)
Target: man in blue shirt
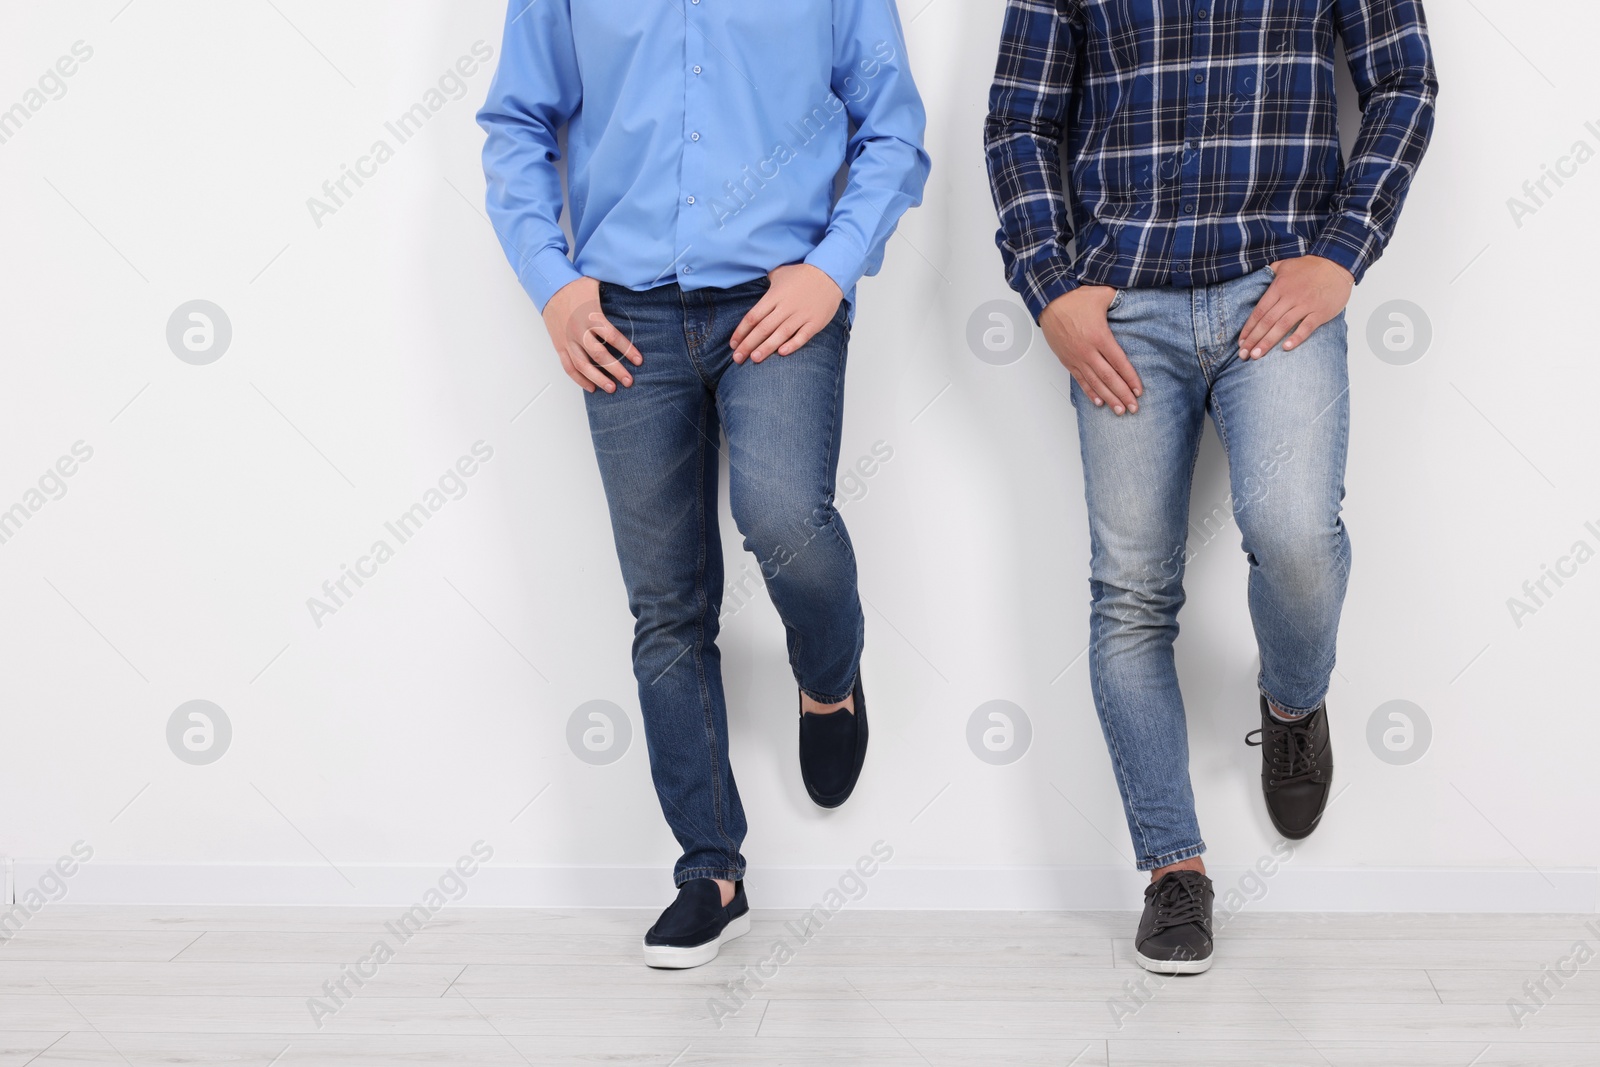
(706,311)
(1216,231)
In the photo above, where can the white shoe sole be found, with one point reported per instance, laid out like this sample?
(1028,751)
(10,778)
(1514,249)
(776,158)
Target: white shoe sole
(677,959)
(1173,966)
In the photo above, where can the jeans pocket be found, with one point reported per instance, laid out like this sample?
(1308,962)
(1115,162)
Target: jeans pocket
(1116,300)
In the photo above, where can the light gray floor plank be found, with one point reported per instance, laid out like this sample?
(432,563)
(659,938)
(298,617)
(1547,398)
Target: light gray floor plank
(878,982)
(21,1047)
(337,1051)
(143,986)
(1496,987)
(1363,954)
(184,978)
(1352,1054)
(94,945)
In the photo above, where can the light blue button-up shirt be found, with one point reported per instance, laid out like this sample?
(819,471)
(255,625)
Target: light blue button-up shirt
(704,138)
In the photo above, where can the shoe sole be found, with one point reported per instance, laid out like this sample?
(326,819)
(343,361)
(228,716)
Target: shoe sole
(1173,966)
(672,958)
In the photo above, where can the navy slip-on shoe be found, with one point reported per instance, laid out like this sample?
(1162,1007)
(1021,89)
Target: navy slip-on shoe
(833,748)
(696,925)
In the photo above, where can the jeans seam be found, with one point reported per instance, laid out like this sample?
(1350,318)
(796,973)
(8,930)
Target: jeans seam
(1222,426)
(703,602)
(1116,754)
(834,523)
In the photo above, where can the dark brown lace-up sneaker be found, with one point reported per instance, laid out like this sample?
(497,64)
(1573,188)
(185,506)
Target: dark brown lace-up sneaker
(1175,931)
(1296,769)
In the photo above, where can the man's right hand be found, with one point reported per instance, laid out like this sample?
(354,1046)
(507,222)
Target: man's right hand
(1075,325)
(580,331)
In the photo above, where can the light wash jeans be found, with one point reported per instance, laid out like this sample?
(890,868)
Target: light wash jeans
(658,444)
(1285,422)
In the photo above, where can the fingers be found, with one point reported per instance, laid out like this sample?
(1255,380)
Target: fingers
(778,337)
(1088,376)
(584,372)
(1260,320)
(1112,388)
(753,318)
(1088,389)
(614,337)
(801,338)
(758,333)
(1309,326)
(1288,320)
(572,372)
(1113,354)
(602,357)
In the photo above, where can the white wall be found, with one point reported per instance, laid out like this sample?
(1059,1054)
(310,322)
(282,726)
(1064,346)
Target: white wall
(369,353)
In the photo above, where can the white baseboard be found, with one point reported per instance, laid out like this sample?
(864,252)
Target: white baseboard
(893,887)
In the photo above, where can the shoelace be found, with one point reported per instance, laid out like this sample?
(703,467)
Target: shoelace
(1180,901)
(1294,757)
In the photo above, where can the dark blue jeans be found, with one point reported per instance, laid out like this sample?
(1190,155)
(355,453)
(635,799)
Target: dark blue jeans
(658,444)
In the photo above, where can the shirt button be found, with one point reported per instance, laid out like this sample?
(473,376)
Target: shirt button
(689,200)
(1188,209)
(1199,79)
(694,137)
(1201,13)
(697,69)
(688,269)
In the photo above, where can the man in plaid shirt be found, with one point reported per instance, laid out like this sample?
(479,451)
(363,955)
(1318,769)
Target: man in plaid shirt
(1178,214)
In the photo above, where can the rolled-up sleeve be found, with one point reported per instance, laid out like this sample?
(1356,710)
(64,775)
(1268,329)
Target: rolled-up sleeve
(536,89)
(888,165)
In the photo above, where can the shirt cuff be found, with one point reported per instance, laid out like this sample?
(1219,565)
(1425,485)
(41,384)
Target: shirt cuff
(1350,243)
(546,274)
(840,258)
(1045,283)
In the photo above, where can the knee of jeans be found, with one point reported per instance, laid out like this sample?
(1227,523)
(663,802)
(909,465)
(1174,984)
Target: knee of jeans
(778,528)
(665,619)
(1138,596)
(1301,551)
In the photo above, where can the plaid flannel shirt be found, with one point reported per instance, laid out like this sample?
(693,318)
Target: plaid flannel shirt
(1202,137)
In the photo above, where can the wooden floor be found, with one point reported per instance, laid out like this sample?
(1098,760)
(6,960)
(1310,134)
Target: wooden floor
(82,985)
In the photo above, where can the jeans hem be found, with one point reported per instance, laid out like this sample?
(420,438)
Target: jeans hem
(727,874)
(1289,710)
(1176,856)
(824,699)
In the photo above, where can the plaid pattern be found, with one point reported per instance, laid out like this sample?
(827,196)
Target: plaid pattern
(1202,137)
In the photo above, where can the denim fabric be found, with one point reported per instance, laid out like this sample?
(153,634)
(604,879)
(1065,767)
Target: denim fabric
(1284,421)
(658,444)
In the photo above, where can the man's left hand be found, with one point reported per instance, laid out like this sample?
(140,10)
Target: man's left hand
(1305,293)
(800,304)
